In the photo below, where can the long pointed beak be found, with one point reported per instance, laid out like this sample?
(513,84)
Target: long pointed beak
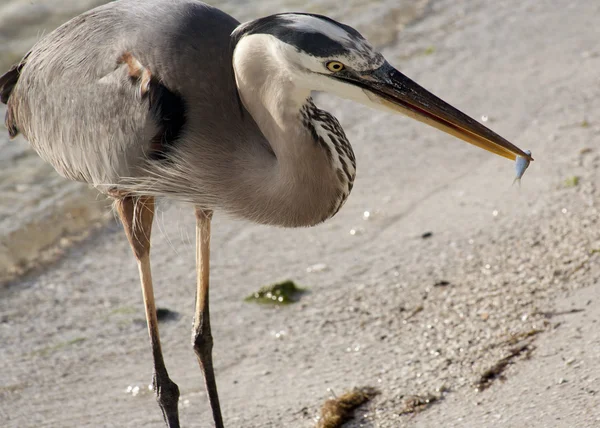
(393,90)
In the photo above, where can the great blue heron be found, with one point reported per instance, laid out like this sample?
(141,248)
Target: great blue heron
(146,98)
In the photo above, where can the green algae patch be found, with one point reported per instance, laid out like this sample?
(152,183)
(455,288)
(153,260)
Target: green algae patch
(281,293)
(44,352)
(572,181)
(429,51)
(124,310)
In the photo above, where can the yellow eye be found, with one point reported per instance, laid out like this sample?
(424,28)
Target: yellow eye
(335,66)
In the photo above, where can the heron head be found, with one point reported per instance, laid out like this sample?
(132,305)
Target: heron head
(320,54)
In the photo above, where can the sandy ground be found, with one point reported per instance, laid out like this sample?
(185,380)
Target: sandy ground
(517,260)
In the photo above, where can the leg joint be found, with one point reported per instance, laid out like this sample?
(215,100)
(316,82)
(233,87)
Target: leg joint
(202,341)
(167,393)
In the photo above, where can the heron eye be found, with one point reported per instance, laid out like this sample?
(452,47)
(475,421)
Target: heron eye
(335,66)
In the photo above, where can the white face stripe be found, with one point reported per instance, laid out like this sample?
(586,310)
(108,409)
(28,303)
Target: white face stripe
(307,23)
(359,49)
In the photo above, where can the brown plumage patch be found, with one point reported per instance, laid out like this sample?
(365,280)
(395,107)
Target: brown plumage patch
(337,411)
(137,72)
(167,106)
(9,121)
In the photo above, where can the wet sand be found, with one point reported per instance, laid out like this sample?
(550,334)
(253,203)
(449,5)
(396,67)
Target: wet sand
(515,259)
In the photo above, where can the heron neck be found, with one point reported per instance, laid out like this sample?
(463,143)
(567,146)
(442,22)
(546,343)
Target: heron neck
(301,187)
(269,93)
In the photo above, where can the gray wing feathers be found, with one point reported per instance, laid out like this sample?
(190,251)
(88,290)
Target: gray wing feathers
(77,105)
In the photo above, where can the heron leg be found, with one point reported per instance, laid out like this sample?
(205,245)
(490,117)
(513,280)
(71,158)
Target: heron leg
(201,335)
(136,214)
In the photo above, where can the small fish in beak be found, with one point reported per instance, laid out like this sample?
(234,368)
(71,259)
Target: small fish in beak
(521,165)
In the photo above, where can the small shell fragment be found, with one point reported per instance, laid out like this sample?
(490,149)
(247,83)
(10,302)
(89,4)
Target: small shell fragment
(521,165)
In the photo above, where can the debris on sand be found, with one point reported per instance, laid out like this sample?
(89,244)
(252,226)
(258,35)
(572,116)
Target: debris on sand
(519,337)
(281,293)
(418,403)
(552,314)
(414,312)
(337,411)
(497,370)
